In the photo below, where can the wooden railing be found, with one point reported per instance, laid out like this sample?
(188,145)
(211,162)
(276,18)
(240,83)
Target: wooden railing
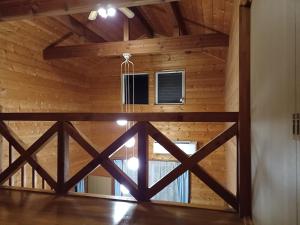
(64,129)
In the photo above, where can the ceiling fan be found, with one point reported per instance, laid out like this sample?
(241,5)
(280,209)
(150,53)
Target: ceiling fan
(110,12)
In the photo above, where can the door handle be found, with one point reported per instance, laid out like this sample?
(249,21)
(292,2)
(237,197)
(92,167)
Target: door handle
(298,123)
(294,124)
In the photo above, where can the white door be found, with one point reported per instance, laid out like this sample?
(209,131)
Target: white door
(274,158)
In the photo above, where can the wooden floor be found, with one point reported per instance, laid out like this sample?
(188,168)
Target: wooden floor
(33,208)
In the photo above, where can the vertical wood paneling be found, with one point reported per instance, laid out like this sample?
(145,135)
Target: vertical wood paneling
(29,84)
(204,92)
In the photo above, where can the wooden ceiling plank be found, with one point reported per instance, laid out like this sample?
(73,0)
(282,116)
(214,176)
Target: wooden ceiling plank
(20,9)
(179,18)
(139,47)
(143,20)
(80,29)
(210,29)
(126,30)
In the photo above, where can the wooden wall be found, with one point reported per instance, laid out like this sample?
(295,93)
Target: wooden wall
(204,92)
(232,93)
(29,84)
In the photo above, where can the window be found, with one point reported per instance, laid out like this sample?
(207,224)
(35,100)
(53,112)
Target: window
(138,83)
(170,87)
(177,191)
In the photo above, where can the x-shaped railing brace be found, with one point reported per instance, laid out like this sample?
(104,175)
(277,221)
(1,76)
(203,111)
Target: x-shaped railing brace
(187,163)
(26,155)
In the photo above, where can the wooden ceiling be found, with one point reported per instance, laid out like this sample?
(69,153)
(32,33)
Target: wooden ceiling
(152,18)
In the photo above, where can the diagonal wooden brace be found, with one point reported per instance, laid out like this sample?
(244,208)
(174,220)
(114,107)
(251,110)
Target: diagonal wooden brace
(26,155)
(103,159)
(191,163)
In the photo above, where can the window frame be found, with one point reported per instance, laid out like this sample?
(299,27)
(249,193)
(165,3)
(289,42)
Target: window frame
(123,86)
(182,71)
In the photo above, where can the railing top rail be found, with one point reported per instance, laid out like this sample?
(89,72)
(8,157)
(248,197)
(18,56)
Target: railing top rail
(154,117)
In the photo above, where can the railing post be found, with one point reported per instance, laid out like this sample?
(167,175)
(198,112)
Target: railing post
(10,159)
(244,143)
(143,162)
(62,158)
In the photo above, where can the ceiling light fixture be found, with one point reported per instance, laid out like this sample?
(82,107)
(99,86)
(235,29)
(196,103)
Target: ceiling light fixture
(111,12)
(102,12)
(130,143)
(133,163)
(93,15)
(127,12)
(122,122)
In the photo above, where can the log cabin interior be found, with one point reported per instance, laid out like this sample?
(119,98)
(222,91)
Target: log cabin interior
(149,112)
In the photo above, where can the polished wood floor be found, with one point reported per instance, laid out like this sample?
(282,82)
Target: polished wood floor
(33,208)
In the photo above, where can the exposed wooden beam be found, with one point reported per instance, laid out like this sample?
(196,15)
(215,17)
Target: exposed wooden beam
(60,40)
(92,25)
(20,9)
(179,18)
(143,20)
(80,29)
(138,47)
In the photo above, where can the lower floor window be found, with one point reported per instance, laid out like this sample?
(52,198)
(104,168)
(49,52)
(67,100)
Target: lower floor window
(177,191)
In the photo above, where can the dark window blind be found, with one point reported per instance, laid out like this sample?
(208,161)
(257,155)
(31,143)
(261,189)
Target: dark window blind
(169,88)
(140,85)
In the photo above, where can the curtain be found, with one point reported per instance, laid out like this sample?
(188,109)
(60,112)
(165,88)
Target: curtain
(132,174)
(177,191)
(80,187)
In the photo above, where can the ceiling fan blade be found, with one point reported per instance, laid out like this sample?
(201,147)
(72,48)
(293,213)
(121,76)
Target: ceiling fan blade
(93,15)
(127,12)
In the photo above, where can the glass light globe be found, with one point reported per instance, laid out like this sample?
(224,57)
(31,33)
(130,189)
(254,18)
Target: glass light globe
(111,12)
(121,122)
(130,143)
(133,163)
(124,190)
(102,12)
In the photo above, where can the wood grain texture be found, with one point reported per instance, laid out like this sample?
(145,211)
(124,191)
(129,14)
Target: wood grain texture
(22,10)
(232,93)
(244,141)
(138,47)
(65,86)
(28,83)
(73,210)
(204,92)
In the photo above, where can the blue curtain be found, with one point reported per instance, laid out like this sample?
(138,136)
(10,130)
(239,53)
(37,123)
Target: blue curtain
(80,187)
(177,191)
(119,163)
(132,174)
